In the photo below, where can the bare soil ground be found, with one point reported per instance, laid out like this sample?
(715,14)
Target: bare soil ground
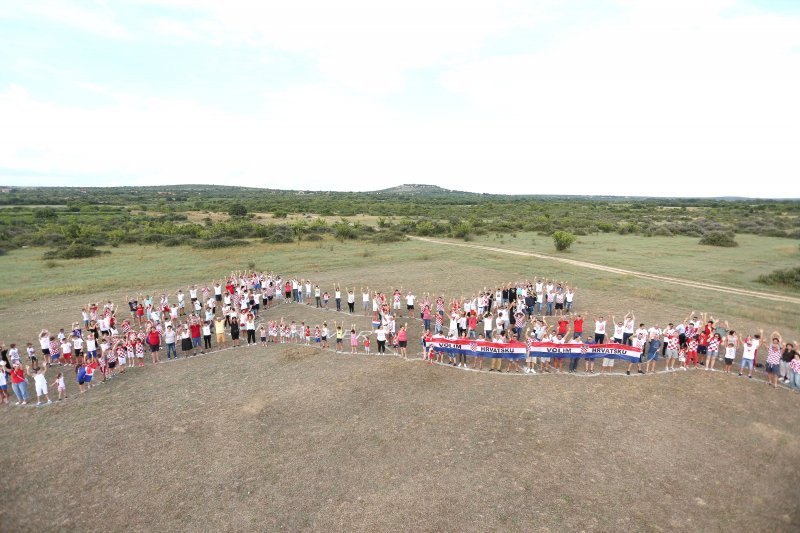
(295,438)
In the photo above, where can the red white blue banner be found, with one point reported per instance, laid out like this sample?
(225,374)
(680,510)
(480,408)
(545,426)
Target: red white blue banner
(519,350)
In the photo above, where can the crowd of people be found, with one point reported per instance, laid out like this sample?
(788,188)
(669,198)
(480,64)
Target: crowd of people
(109,341)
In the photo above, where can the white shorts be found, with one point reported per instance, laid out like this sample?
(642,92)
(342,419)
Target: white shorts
(140,355)
(41,390)
(121,360)
(608,362)
(396,305)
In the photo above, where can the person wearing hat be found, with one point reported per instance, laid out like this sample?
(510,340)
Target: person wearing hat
(19,383)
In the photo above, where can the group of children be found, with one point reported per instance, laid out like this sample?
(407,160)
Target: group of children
(105,344)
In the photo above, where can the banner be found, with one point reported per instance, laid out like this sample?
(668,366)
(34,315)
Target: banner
(519,350)
(476,348)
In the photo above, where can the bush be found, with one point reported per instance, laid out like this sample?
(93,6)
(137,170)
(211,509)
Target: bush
(717,238)
(789,277)
(73,251)
(279,234)
(237,210)
(177,241)
(313,237)
(46,213)
(387,236)
(211,244)
(563,240)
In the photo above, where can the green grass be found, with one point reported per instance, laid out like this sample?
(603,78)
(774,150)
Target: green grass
(677,256)
(31,283)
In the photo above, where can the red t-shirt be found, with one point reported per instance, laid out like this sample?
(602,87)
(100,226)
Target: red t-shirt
(153,338)
(194,330)
(17,375)
(578,323)
(562,326)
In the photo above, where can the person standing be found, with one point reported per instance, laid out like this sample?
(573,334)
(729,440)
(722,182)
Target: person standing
(19,384)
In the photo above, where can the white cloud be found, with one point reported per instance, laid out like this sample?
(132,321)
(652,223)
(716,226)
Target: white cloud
(98,19)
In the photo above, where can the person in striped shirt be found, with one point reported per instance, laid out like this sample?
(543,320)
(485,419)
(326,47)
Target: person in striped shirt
(774,352)
(712,351)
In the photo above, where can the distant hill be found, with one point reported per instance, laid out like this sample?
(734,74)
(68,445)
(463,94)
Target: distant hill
(418,188)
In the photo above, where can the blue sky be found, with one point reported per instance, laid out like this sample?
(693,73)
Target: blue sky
(626,97)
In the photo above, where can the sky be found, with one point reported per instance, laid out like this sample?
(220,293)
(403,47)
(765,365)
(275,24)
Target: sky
(608,97)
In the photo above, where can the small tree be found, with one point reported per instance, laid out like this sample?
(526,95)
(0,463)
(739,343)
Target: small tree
(719,238)
(237,210)
(563,240)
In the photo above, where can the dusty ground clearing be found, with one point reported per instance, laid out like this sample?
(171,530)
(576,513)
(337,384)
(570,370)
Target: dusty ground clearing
(296,438)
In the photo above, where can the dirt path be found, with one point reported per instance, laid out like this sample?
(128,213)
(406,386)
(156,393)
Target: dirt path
(643,275)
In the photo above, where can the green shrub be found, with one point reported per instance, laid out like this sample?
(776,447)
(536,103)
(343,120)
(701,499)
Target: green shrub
(718,238)
(279,234)
(387,236)
(563,240)
(73,251)
(211,244)
(46,213)
(789,277)
(237,210)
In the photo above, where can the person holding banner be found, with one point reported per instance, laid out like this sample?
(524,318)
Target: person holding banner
(530,358)
(558,362)
(637,342)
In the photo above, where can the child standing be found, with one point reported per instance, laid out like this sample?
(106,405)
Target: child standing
(60,386)
(366,344)
(730,356)
(40,382)
(353,340)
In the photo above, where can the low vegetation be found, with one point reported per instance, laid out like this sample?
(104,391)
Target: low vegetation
(186,215)
(788,277)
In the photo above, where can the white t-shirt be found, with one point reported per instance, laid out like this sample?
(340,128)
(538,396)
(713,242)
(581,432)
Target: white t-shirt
(600,327)
(629,326)
(749,352)
(618,331)
(410,299)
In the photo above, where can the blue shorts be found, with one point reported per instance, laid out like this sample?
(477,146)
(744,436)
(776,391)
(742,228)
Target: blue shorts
(747,363)
(773,368)
(195,342)
(652,356)
(87,379)
(3,387)
(91,354)
(54,357)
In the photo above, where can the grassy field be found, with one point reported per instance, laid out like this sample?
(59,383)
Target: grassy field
(677,256)
(51,290)
(295,438)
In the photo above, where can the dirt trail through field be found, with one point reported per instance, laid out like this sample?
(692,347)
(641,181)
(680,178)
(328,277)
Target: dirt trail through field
(643,275)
